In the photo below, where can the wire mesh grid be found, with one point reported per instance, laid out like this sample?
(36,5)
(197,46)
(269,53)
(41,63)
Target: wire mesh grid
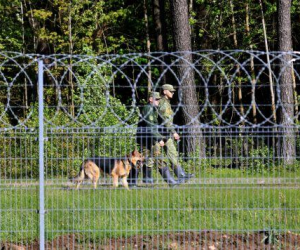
(243,194)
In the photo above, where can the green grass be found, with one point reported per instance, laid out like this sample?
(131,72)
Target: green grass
(107,212)
(237,173)
(207,171)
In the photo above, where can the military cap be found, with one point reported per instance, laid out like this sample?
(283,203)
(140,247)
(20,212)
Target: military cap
(155,95)
(168,87)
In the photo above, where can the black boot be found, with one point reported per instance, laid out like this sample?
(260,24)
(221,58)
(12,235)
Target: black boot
(166,175)
(181,175)
(147,175)
(133,177)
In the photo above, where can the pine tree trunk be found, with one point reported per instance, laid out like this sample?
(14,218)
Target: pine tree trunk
(253,80)
(148,43)
(288,145)
(158,25)
(182,40)
(24,52)
(235,42)
(71,91)
(160,31)
(268,61)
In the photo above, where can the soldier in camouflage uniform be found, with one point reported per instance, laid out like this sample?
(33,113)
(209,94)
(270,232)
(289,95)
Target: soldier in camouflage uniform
(151,143)
(166,113)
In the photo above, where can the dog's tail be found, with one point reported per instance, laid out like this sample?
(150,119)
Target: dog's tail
(81,174)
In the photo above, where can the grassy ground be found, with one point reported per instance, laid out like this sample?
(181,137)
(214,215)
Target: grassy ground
(109,213)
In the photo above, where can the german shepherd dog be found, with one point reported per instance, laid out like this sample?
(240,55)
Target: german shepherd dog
(117,168)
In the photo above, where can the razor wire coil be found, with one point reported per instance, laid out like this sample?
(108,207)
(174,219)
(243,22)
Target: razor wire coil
(87,90)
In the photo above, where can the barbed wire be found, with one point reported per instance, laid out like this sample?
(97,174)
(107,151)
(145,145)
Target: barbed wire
(233,87)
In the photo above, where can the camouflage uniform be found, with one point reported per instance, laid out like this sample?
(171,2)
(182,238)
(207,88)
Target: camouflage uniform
(151,137)
(166,113)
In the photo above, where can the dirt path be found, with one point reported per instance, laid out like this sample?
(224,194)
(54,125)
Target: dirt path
(208,240)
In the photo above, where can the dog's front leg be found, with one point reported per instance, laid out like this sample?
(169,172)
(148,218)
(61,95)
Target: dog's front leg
(115,180)
(95,184)
(78,184)
(125,183)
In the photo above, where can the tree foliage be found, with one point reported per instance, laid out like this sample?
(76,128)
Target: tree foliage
(90,27)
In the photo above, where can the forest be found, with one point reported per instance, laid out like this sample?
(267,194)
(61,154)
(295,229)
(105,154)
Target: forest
(124,26)
(117,28)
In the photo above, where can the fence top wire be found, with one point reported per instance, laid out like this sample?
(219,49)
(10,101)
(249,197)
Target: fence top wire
(235,88)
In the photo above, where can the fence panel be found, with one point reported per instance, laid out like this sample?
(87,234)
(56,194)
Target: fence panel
(243,194)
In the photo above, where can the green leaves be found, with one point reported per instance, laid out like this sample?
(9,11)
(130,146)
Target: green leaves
(41,14)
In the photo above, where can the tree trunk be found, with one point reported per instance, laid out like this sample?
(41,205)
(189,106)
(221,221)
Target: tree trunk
(71,92)
(240,90)
(235,42)
(186,78)
(253,80)
(268,61)
(158,25)
(160,31)
(24,52)
(148,43)
(288,145)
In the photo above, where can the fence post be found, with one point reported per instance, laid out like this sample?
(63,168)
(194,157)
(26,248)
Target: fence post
(41,153)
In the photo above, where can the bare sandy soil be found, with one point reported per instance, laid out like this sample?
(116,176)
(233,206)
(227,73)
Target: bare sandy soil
(208,240)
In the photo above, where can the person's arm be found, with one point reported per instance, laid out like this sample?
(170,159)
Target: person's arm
(151,122)
(166,113)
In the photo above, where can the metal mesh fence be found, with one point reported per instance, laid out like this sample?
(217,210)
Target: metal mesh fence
(242,195)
